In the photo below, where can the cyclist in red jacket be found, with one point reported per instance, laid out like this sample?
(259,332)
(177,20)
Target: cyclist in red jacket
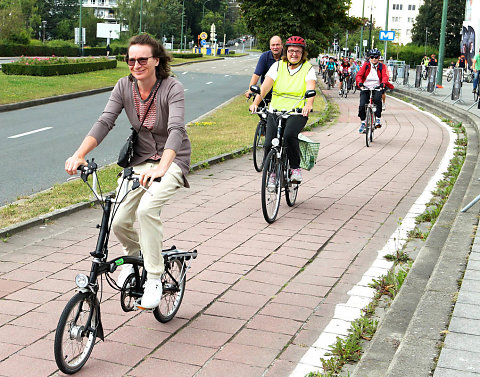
(371,78)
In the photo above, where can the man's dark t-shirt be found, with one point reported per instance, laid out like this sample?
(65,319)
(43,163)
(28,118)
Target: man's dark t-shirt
(264,63)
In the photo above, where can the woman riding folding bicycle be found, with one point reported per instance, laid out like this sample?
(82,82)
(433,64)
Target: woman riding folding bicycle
(154,104)
(290,78)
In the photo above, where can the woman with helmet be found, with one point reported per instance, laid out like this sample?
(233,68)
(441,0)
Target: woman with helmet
(343,73)
(372,74)
(290,78)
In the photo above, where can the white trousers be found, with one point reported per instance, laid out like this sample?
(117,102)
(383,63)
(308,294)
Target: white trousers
(146,206)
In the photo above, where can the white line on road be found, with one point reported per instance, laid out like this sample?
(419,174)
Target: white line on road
(208,83)
(184,73)
(30,132)
(227,75)
(185,90)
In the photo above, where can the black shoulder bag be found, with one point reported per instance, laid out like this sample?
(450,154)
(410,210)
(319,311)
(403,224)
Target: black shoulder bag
(126,152)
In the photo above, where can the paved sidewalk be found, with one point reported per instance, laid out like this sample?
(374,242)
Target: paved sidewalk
(258,295)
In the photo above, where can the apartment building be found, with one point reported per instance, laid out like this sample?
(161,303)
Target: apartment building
(401,15)
(104,9)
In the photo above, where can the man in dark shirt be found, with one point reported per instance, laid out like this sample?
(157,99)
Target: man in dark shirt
(433,61)
(265,62)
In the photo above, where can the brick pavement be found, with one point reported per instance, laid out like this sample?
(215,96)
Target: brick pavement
(258,295)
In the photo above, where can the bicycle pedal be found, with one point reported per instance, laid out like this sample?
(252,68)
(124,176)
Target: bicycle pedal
(137,306)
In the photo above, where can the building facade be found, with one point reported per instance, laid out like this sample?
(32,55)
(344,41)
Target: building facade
(104,9)
(401,15)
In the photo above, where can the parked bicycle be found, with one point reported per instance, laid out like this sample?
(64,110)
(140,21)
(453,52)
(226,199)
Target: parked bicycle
(449,74)
(276,170)
(370,119)
(80,322)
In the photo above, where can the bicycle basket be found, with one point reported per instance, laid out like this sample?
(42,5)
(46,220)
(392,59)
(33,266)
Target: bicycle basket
(308,152)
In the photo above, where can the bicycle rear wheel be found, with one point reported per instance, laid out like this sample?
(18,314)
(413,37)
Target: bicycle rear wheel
(291,189)
(73,340)
(259,146)
(345,87)
(475,93)
(173,288)
(271,195)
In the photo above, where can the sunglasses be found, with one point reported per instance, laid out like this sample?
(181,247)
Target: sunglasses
(374,56)
(141,61)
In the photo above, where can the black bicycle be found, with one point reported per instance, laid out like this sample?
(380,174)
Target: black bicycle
(276,171)
(80,322)
(259,138)
(370,120)
(345,85)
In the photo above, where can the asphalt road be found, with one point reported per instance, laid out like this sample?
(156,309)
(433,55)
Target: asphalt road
(34,142)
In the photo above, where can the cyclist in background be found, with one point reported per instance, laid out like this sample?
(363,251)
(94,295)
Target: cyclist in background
(265,62)
(290,78)
(425,61)
(331,68)
(432,62)
(371,75)
(476,70)
(343,73)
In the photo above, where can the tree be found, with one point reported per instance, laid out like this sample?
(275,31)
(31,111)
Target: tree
(12,27)
(311,19)
(54,11)
(429,20)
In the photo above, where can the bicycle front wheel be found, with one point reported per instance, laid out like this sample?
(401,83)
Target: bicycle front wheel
(369,127)
(73,340)
(475,93)
(173,288)
(259,146)
(271,187)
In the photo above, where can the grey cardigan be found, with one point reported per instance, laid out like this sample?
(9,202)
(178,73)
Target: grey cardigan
(169,131)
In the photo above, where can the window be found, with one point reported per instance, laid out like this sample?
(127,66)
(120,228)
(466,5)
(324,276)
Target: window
(396,19)
(397,6)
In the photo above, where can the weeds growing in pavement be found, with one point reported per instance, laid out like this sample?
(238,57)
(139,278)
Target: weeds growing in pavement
(349,349)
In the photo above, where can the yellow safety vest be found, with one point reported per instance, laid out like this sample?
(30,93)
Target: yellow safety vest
(289,89)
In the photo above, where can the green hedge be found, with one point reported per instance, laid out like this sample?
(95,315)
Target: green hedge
(186,55)
(56,69)
(31,50)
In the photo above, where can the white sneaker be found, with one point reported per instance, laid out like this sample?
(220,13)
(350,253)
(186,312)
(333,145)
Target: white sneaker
(152,294)
(296,176)
(127,270)
(272,182)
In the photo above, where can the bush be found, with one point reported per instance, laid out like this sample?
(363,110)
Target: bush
(39,69)
(186,55)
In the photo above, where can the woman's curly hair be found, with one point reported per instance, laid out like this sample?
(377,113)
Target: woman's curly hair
(162,70)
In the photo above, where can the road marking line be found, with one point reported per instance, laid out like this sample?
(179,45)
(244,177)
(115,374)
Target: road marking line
(184,73)
(185,90)
(29,133)
(208,83)
(227,75)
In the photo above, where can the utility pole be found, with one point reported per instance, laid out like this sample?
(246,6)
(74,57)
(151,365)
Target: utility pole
(441,52)
(80,30)
(141,12)
(370,33)
(361,30)
(181,32)
(386,29)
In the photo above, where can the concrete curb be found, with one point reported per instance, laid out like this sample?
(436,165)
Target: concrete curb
(412,327)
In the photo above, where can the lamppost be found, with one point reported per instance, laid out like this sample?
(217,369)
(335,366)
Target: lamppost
(80,40)
(203,12)
(441,50)
(141,12)
(44,23)
(386,28)
(181,32)
(361,29)
(426,36)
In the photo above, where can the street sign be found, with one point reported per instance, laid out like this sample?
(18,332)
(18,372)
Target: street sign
(365,43)
(387,35)
(203,42)
(203,35)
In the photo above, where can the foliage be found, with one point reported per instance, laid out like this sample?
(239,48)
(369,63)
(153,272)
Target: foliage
(411,53)
(311,19)
(430,18)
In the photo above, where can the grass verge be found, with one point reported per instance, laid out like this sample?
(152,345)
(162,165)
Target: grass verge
(16,88)
(229,128)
